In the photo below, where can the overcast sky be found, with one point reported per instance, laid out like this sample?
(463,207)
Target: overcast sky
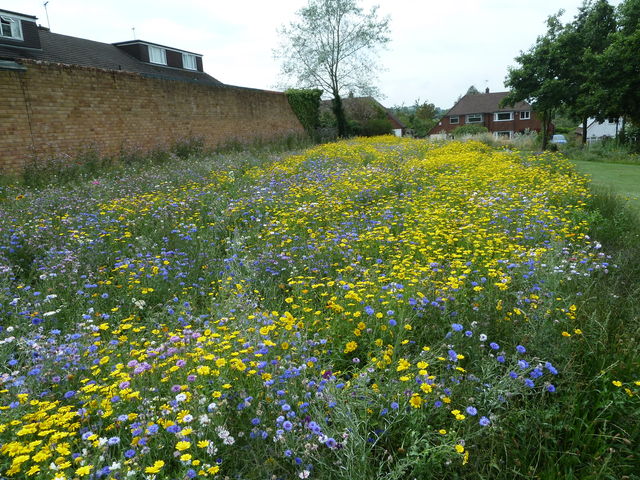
(437,49)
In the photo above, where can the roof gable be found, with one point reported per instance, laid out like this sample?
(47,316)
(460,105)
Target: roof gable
(484,103)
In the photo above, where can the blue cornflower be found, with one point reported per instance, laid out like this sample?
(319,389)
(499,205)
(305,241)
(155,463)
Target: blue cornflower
(484,421)
(529,383)
(255,421)
(456,327)
(472,411)
(521,349)
(394,405)
(551,368)
(369,310)
(287,425)
(500,358)
(113,441)
(331,443)
(130,453)
(551,388)
(494,346)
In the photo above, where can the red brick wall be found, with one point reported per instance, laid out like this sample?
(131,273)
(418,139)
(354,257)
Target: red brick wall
(53,110)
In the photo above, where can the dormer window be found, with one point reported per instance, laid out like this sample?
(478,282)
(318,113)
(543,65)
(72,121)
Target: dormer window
(189,61)
(10,28)
(157,55)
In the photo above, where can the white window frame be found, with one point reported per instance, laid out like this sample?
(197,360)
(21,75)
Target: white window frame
(189,61)
(15,26)
(159,57)
(526,115)
(457,120)
(496,117)
(474,115)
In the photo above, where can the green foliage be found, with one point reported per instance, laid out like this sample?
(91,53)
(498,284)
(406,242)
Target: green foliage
(419,117)
(372,127)
(305,103)
(469,130)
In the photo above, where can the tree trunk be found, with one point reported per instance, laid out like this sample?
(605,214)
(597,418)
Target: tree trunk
(341,119)
(584,130)
(545,128)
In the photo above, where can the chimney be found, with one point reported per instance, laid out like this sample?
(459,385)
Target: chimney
(486,90)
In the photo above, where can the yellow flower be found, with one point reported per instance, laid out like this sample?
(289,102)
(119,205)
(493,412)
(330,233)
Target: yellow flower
(350,347)
(402,365)
(617,383)
(459,448)
(155,468)
(82,471)
(416,401)
(182,445)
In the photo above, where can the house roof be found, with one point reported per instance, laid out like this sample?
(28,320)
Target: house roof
(79,51)
(484,103)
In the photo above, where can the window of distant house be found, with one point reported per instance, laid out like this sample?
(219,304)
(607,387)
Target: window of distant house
(503,116)
(454,120)
(525,115)
(612,120)
(157,55)
(10,27)
(189,61)
(474,118)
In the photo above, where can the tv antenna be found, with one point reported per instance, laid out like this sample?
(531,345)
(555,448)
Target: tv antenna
(133,29)
(46,11)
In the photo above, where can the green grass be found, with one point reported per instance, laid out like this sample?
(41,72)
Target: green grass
(621,179)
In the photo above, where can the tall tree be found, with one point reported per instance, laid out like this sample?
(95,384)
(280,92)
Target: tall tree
(618,67)
(332,46)
(541,77)
(581,43)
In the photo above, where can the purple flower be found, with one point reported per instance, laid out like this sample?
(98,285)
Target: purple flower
(287,425)
(331,443)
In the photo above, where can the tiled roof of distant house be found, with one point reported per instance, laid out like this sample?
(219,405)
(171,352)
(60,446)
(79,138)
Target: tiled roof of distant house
(484,103)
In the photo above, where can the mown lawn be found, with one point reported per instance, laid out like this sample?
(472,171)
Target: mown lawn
(624,180)
(369,309)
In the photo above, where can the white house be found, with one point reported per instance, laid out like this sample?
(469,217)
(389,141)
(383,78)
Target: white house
(600,130)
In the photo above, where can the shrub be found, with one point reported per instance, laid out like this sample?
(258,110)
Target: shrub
(469,130)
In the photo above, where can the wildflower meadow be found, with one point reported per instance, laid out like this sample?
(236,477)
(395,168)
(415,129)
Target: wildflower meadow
(373,308)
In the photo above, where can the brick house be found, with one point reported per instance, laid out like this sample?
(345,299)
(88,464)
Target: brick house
(484,109)
(21,38)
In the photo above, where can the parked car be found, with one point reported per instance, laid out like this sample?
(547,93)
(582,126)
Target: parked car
(558,139)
